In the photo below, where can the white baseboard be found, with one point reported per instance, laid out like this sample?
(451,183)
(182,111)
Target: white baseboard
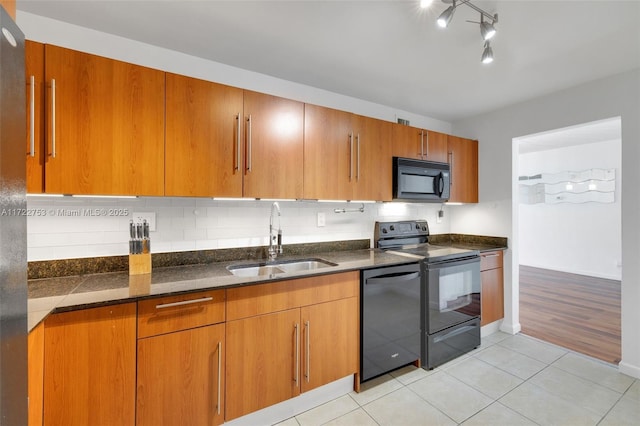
(294,406)
(629,370)
(577,272)
(510,328)
(489,329)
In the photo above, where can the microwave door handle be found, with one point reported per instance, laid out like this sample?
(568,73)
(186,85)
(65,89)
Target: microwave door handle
(440,184)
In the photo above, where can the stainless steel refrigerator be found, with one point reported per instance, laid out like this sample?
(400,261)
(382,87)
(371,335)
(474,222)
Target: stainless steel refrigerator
(13,226)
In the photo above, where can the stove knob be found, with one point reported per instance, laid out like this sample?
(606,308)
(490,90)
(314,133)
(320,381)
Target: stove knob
(424,228)
(417,226)
(384,230)
(392,228)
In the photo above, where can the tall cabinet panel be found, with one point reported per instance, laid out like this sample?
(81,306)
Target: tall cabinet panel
(373,165)
(204,123)
(328,153)
(274,146)
(34,68)
(105,132)
(463,158)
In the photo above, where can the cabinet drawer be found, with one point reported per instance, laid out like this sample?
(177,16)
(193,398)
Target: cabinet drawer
(491,260)
(173,313)
(244,302)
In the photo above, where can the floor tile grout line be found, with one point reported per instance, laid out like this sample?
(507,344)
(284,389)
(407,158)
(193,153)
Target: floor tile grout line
(586,357)
(430,404)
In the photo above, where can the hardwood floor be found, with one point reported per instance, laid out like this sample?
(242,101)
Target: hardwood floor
(577,312)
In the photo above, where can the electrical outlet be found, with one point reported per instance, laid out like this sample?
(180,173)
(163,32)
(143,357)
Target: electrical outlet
(321,219)
(439,216)
(150,217)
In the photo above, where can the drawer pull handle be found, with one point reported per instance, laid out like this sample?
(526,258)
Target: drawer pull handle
(490,255)
(184,302)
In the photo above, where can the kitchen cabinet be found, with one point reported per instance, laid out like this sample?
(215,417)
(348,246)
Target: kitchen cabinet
(463,159)
(35,357)
(204,145)
(358,150)
(288,337)
(35,153)
(181,360)
(105,132)
(90,366)
(421,144)
(492,282)
(10,7)
(274,139)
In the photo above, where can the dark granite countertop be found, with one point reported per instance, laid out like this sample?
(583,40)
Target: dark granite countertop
(60,294)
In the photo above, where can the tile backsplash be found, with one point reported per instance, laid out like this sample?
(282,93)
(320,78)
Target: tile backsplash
(77,227)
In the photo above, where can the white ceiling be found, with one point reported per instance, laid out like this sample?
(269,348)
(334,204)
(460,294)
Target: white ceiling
(388,52)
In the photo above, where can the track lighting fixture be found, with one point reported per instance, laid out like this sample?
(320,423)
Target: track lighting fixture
(487,54)
(487,27)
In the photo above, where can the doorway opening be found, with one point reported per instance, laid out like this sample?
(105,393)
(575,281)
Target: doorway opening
(569,231)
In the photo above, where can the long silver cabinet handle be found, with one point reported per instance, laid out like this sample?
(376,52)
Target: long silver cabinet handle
(427,154)
(350,156)
(297,373)
(53,118)
(238,143)
(421,145)
(451,168)
(307,345)
(219,376)
(184,302)
(358,162)
(249,143)
(32,116)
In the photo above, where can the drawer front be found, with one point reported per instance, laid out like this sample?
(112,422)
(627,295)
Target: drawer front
(173,313)
(490,260)
(244,302)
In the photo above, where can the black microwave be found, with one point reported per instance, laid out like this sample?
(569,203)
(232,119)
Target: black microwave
(420,181)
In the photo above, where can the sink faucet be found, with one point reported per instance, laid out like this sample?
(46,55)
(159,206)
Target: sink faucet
(275,238)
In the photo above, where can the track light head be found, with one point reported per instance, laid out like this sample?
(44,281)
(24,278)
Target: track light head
(487,30)
(445,17)
(487,54)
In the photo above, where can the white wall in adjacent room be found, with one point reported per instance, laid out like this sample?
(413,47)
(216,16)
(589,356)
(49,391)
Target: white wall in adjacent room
(614,96)
(576,238)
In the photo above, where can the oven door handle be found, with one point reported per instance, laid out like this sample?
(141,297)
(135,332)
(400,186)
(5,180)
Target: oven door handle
(454,333)
(392,278)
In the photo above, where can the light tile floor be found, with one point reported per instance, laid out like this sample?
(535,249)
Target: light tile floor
(508,380)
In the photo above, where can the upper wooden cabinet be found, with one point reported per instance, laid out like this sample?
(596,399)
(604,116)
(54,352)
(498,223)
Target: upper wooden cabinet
(105,125)
(10,7)
(411,142)
(90,367)
(346,156)
(204,142)
(35,153)
(463,158)
(274,139)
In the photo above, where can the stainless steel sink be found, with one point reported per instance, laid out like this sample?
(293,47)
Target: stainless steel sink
(278,267)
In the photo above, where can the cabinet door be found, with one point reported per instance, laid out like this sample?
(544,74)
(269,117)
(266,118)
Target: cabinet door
(274,146)
(203,138)
(181,378)
(105,132)
(330,342)
(373,159)
(328,153)
(435,146)
(492,295)
(408,142)
(463,158)
(90,367)
(34,68)
(35,357)
(263,361)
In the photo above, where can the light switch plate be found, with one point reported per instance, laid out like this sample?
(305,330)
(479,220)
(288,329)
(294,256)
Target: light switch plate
(150,217)
(321,219)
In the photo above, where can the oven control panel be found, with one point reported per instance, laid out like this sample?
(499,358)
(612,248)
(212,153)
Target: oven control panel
(401,229)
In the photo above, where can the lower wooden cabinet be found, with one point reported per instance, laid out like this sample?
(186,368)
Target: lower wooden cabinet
(275,353)
(181,378)
(492,281)
(90,367)
(35,357)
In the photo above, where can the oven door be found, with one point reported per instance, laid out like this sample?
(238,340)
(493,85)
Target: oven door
(453,293)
